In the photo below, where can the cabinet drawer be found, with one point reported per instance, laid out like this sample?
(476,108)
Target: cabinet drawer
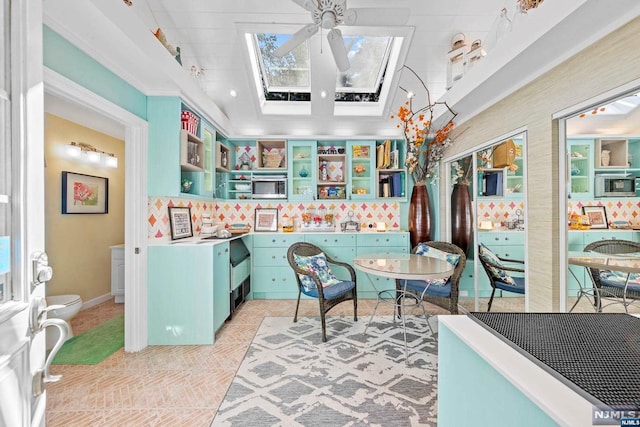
(506,238)
(365,250)
(276,240)
(274,279)
(386,239)
(323,240)
(268,257)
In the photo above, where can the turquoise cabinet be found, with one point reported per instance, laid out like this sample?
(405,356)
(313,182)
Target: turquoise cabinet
(272,278)
(378,243)
(340,247)
(362,167)
(221,302)
(581,168)
(302,169)
(163,115)
(180,295)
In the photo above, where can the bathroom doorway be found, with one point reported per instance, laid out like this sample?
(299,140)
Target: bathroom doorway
(88,104)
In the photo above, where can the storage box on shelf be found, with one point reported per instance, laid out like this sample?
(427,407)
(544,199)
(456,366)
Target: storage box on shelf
(271,154)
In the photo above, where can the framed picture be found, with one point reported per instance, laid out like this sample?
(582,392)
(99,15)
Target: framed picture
(180,222)
(266,219)
(84,194)
(597,216)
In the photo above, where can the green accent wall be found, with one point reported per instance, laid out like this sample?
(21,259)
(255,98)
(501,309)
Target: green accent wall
(71,62)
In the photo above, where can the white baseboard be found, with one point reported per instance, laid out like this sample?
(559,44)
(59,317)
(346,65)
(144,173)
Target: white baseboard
(95,301)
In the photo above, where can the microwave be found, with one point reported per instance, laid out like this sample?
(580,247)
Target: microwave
(269,187)
(615,186)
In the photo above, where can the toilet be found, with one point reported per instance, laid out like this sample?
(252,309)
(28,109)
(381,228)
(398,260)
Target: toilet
(72,305)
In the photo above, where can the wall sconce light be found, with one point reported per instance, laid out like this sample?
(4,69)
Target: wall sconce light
(88,153)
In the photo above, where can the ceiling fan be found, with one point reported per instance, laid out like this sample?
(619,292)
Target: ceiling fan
(328,14)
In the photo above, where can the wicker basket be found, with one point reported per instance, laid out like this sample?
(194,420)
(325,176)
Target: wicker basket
(271,159)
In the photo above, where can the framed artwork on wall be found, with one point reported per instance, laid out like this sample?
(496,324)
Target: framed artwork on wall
(180,222)
(597,216)
(84,194)
(266,219)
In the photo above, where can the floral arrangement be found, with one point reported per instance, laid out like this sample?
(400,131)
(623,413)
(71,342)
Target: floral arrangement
(359,168)
(425,145)
(461,170)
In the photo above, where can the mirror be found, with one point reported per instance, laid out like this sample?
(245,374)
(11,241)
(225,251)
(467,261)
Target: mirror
(602,162)
(487,206)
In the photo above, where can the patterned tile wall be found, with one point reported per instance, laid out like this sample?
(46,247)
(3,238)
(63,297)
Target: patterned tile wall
(237,211)
(501,211)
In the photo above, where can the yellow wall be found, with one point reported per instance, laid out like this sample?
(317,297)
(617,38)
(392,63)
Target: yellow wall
(78,244)
(603,66)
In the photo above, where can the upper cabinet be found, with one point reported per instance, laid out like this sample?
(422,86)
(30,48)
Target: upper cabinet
(332,171)
(303,170)
(501,170)
(580,168)
(180,158)
(362,156)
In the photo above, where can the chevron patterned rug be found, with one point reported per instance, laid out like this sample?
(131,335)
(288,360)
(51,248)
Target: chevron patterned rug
(289,377)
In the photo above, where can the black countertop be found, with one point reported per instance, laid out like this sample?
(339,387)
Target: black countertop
(596,354)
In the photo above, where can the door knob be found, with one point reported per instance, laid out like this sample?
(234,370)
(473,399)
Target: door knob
(41,271)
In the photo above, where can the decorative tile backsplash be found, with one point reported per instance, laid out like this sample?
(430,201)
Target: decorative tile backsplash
(501,211)
(238,211)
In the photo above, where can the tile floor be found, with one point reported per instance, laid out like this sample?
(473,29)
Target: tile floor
(178,385)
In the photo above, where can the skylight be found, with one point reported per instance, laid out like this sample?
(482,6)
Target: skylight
(288,78)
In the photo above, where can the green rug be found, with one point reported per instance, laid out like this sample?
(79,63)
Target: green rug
(93,346)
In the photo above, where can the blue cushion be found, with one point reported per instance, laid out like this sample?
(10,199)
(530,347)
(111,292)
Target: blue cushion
(517,286)
(617,279)
(315,264)
(452,259)
(438,291)
(498,274)
(331,291)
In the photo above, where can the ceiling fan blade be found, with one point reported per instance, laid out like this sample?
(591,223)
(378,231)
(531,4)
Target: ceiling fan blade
(336,43)
(309,5)
(371,16)
(297,38)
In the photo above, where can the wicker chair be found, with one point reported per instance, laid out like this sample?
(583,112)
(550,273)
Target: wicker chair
(607,284)
(442,296)
(329,296)
(497,271)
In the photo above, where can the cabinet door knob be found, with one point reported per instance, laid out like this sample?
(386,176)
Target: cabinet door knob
(506,238)
(273,279)
(496,238)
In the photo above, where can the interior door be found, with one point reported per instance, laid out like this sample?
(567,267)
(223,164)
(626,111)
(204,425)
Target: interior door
(23,267)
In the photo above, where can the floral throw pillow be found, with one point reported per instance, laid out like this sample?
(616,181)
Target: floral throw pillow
(498,273)
(427,250)
(317,264)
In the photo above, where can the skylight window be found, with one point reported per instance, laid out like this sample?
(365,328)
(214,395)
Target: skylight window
(369,57)
(286,78)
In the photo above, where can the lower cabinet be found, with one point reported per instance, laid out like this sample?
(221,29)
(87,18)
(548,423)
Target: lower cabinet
(221,288)
(273,278)
(181,294)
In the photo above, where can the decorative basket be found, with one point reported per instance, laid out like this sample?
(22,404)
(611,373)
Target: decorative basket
(272,159)
(189,122)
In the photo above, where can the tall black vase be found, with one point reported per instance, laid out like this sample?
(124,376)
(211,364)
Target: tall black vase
(419,215)
(461,217)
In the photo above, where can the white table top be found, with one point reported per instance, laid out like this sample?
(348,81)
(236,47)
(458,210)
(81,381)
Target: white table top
(404,266)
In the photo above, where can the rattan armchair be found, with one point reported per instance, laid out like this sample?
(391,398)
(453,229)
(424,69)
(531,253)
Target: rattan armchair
(498,269)
(617,288)
(443,296)
(328,296)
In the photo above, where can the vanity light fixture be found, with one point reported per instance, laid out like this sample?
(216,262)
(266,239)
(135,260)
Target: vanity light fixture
(88,153)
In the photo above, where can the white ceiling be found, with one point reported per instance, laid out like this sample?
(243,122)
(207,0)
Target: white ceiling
(210,37)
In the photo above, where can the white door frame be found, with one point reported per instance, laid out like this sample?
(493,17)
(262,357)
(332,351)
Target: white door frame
(135,223)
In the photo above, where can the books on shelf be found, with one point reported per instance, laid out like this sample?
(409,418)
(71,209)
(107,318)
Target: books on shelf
(392,184)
